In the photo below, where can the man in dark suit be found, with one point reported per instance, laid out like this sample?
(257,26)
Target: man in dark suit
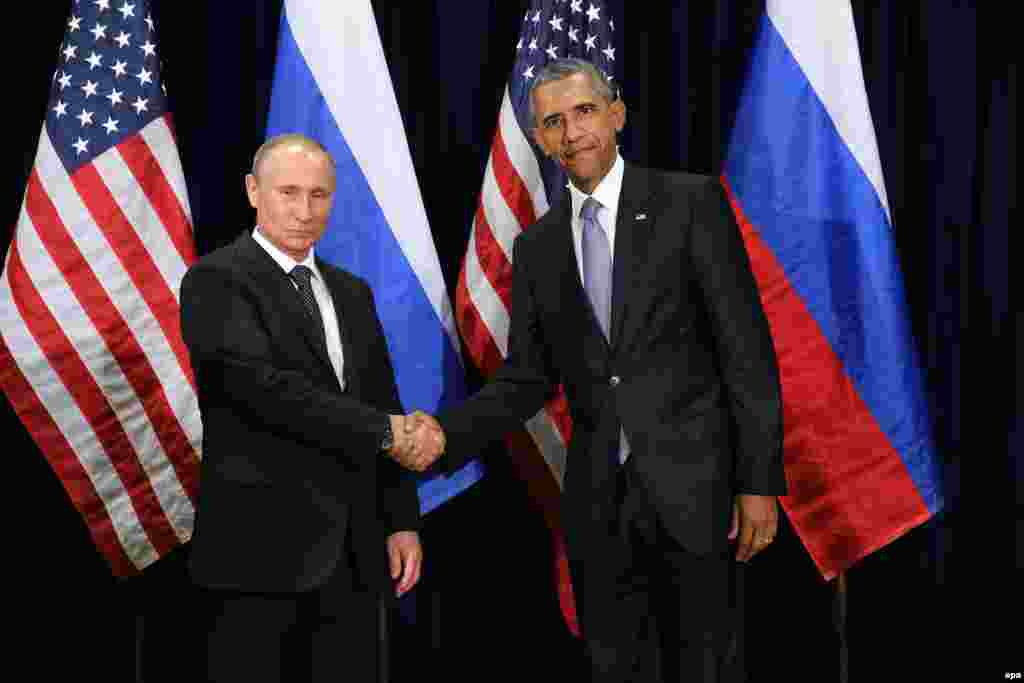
(635,293)
(300,511)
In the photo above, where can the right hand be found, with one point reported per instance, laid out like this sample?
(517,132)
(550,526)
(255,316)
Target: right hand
(419,441)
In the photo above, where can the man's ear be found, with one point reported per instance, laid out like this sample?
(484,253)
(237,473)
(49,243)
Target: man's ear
(251,189)
(618,109)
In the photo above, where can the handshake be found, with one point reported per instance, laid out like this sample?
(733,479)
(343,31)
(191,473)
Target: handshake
(418,441)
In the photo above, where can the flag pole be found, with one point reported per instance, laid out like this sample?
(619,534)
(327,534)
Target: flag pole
(839,620)
(383,653)
(140,622)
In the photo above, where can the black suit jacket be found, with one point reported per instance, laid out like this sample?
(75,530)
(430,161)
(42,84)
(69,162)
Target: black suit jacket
(290,462)
(690,372)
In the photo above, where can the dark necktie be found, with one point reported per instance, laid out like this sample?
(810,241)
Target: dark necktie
(302,275)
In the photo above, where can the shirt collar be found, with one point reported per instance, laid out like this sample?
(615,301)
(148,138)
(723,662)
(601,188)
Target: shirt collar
(607,191)
(282,259)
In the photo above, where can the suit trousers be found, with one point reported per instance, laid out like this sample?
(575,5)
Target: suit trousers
(671,608)
(326,634)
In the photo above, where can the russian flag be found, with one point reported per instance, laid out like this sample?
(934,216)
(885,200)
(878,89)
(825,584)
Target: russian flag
(805,180)
(331,82)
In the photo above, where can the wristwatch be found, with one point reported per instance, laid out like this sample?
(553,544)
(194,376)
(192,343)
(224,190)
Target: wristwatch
(388,440)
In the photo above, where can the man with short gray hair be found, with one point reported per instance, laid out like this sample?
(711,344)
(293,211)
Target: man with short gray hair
(302,502)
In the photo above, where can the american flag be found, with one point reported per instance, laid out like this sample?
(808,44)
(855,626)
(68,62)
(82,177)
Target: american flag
(91,355)
(519,182)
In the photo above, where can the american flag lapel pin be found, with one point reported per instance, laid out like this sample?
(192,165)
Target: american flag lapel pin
(641,216)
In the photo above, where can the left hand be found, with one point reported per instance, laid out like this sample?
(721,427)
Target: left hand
(406,557)
(755,519)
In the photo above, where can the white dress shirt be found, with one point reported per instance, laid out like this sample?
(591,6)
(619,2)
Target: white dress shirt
(607,195)
(323,299)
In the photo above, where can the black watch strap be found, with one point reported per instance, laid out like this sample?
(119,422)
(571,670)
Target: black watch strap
(388,440)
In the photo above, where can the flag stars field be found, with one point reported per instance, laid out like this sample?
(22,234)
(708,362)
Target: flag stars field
(120,45)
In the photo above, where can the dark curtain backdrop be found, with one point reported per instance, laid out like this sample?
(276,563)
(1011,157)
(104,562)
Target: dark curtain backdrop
(943,97)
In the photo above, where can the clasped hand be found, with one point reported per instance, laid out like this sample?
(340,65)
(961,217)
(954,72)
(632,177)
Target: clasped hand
(418,441)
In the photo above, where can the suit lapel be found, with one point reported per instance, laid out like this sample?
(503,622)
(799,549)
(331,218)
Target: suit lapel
(632,240)
(282,289)
(577,313)
(341,296)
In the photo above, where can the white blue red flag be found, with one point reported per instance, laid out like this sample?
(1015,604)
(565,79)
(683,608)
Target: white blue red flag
(519,185)
(91,354)
(331,82)
(805,179)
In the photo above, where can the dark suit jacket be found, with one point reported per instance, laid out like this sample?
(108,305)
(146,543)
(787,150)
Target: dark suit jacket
(290,462)
(690,372)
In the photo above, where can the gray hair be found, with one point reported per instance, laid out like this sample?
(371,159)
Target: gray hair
(283,139)
(557,69)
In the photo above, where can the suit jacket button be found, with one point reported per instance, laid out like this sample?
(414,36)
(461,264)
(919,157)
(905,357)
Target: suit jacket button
(614,381)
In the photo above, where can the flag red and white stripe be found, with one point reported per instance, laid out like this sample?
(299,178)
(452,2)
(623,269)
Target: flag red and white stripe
(91,354)
(512,198)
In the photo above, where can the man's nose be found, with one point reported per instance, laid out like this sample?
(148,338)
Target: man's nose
(572,130)
(304,208)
